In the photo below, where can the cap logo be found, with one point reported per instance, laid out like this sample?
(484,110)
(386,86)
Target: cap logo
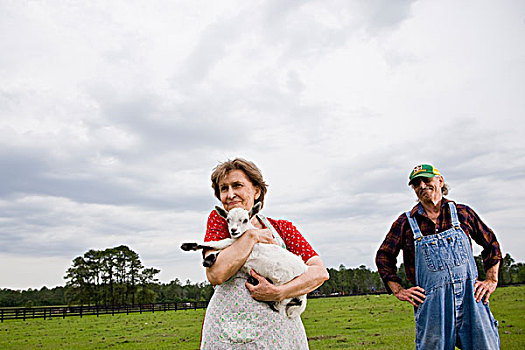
(417,169)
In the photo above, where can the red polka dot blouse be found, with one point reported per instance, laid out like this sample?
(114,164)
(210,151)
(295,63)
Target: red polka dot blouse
(217,229)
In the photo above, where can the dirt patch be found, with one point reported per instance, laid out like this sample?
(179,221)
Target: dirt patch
(321,337)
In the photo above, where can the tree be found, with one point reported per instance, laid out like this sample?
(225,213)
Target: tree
(113,275)
(401,272)
(93,260)
(147,278)
(505,269)
(77,286)
(481,269)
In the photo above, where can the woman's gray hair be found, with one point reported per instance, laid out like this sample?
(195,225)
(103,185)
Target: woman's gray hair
(250,170)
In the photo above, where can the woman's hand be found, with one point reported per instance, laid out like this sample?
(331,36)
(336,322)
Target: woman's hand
(260,236)
(264,290)
(313,278)
(231,259)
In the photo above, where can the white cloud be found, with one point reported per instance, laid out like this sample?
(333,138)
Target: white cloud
(113,115)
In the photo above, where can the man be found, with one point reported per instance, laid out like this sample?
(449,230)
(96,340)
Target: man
(451,305)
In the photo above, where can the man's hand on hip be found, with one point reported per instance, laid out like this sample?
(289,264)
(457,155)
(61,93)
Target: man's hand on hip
(483,290)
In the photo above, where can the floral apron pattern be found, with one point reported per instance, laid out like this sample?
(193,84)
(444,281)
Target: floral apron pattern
(234,320)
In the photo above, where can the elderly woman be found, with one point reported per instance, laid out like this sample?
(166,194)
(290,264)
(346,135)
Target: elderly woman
(236,317)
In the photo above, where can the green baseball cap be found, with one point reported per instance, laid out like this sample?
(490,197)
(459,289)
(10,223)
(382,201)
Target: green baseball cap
(423,170)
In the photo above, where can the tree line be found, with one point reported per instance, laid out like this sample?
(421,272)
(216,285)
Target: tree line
(347,281)
(116,276)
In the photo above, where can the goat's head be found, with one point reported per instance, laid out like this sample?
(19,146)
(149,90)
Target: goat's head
(238,219)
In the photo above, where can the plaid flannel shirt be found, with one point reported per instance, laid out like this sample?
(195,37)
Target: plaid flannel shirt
(400,237)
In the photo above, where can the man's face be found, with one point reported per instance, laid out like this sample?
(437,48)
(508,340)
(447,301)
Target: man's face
(428,189)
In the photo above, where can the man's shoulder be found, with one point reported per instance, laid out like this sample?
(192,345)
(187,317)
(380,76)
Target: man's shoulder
(402,219)
(403,216)
(460,206)
(413,211)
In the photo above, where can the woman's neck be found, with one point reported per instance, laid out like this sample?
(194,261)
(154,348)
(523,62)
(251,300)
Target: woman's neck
(257,222)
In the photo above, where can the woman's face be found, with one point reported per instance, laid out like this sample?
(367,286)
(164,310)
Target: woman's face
(237,191)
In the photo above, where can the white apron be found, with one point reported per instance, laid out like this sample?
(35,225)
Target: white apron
(234,320)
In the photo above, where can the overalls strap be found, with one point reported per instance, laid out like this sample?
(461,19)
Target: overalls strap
(454,215)
(275,234)
(414,226)
(450,315)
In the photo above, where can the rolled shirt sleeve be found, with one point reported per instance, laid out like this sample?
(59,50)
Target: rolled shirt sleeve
(400,237)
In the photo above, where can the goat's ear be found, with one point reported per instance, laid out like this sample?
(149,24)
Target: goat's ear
(255,209)
(221,212)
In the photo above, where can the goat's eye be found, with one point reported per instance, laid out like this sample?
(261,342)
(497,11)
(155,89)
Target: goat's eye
(228,221)
(245,221)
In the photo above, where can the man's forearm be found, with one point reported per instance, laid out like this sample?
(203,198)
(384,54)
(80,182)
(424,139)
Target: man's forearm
(492,273)
(395,287)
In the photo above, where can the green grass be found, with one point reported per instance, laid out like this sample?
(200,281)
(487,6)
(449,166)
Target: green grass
(160,330)
(363,322)
(383,322)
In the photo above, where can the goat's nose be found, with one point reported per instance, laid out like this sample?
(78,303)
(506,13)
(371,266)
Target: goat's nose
(233,230)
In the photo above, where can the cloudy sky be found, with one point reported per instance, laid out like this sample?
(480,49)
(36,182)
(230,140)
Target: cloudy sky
(114,113)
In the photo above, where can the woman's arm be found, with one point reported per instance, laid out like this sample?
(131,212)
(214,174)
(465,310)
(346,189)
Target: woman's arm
(303,284)
(231,259)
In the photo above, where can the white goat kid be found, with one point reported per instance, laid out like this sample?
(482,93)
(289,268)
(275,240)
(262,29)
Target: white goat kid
(275,263)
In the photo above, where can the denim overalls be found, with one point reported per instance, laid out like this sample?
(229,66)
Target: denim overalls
(446,270)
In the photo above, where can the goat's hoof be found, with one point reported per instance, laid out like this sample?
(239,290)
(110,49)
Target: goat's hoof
(295,302)
(252,280)
(293,311)
(189,246)
(271,304)
(209,260)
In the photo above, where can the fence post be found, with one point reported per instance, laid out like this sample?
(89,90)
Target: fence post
(81,311)
(64,313)
(140,308)
(2,316)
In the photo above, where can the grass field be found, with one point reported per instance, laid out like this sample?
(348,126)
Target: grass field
(361,322)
